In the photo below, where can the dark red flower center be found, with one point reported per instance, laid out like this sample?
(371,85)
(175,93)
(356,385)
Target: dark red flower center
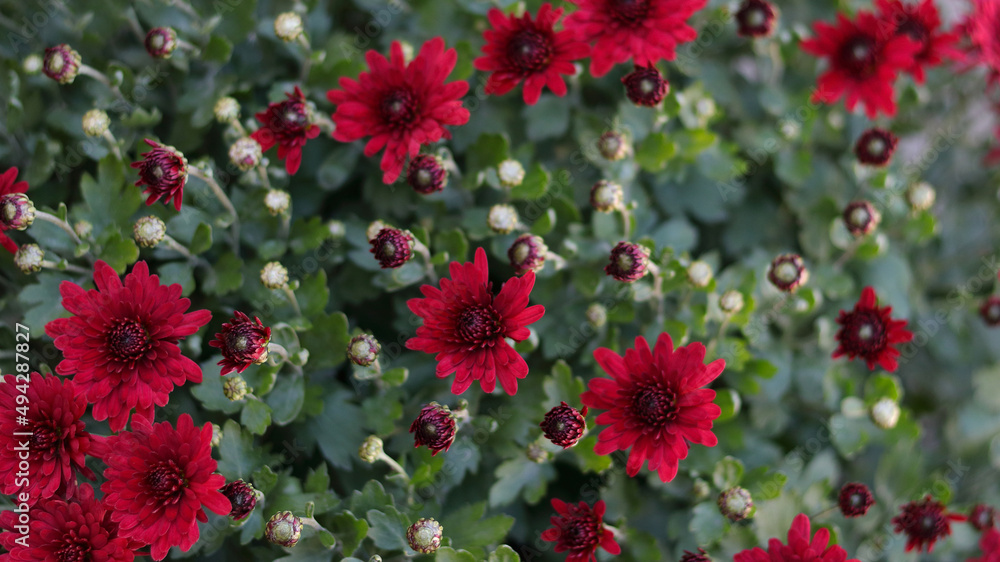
(580,533)
(128,340)
(913,29)
(629,12)
(292,115)
(399,107)
(75,552)
(479,325)
(166,482)
(529,51)
(44,436)
(653,405)
(864,332)
(859,56)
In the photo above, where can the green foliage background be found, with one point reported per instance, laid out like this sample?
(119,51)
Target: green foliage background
(736,167)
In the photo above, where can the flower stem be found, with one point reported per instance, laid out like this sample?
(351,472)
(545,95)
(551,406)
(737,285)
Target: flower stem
(67,267)
(626,222)
(824,512)
(394,465)
(425,253)
(848,253)
(278,349)
(177,247)
(60,223)
(293,300)
(221,196)
(114,144)
(710,352)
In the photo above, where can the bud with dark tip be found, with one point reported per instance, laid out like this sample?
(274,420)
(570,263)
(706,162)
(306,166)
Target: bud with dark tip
(787,272)
(426,174)
(61,63)
(434,428)
(527,253)
(392,247)
(425,535)
(645,86)
(982,517)
(875,147)
(735,503)
(245,153)
(243,498)
(855,499)
(149,231)
(693,557)
(612,145)
(243,342)
(161,42)
(363,350)
(755,18)
(607,197)
(861,218)
(283,529)
(17,212)
(628,263)
(564,425)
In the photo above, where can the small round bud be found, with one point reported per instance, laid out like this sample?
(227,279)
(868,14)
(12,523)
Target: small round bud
(242,497)
(288,26)
(375,558)
(363,350)
(536,453)
(861,218)
(149,231)
(374,228)
(392,247)
(226,109)
(61,63)
(982,517)
(597,315)
(83,229)
(511,173)
(921,196)
(755,18)
(95,122)
(245,153)
(731,302)
(700,489)
(337,229)
(787,272)
(277,201)
(17,212)
(371,449)
(990,311)
(875,147)
(885,413)
(29,258)
(426,174)
(564,425)
(855,499)
(161,42)
(502,219)
(606,197)
(274,275)
(613,145)
(645,86)
(425,535)
(735,503)
(283,529)
(216,435)
(32,64)
(527,253)
(628,263)
(434,428)
(235,388)
(699,273)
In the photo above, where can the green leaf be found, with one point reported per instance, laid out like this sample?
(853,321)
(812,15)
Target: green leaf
(119,252)
(520,476)
(218,49)
(548,118)
(202,239)
(536,181)
(707,524)
(387,527)
(256,416)
(562,386)
(372,496)
(881,386)
(764,484)
(454,242)
(349,530)
(589,460)
(488,151)
(308,234)
(238,456)
(264,479)
(729,401)
(544,223)
(341,445)
(226,275)
(504,553)
(727,473)
(654,152)
(467,528)
(286,399)
(448,554)
(327,340)
(395,377)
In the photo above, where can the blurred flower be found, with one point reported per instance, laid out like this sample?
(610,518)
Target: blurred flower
(990,311)
(564,425)
(286,124)
(466,326)
(613,145)
(699,273)
(242,498)
(645,86)
(579,530)
(645,32)
(163,171)
(755,18)
(607,196)
(787,272)
(32,64)
(731,302)
(283,529)
(980,27)
(869,332)
(989,543)
(597,315)
(95,122)
(920,196)
(885,413)
(17,212)
(502,219)
(855,499)
(527,253)
(735,504)
(802,546)
(425,535)
(426,174)
(434,428)
(392,247)
(982,517)
(924,523)
(628,262)
(700,556)
(288,26)
(363,349)
(120,345)
(161,42)
(863,63)
(276,201)
(61,63)
(160,480)
(401,106)
(510,172)
(655,403)
(245,153)
(216,435)
(861,217)
(243,342)
(921,23)
(9,186)
(518,49)
(226,109)
(875,147)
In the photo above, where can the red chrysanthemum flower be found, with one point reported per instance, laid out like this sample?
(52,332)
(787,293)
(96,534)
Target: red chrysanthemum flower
(655,403)
(120,345)
(855,499)
(982,517)
(579,530)
(755,18)
(645,31)
(163,171)
(56,440)
(869,332)
(921,23)
(75,529)
(802,547)
(875,147)
(159,480)
(401,106)
(518,49)
(864,62)
(8,186)
(287,125)
(981,28)
(466,325)
(924,523)
(243,343)
(989,543)
(434,428)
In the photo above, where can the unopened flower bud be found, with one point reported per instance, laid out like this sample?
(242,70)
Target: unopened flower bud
(425,535)
(226,109)
(990,311)
(274,275)
(83,229)
(645,86)
(755,18)
(607,197)
(235,388)
(731,302)
(61,63)
(17,212)
(875,147)
(511,173)
(613,145)
(161,42)
(861,218)
(527,253)
(277,201)
(855,499)
(216,435)
(502,219)
(392,247)
(337,229)
(628,263)
(149,231)
(242,497)
(597,315)
(885,413)
(288,26)
(95,122)
(375,558)
(29,258)
(371,449)
(434,428)
(699,556)
(982,517)
(921,196)
(564,425)
(735,503)
(699,273)
(426,174)
(245,153)
(32,64)
(283,529)
(363,350)
(700,489)
(787,272)
(536,453)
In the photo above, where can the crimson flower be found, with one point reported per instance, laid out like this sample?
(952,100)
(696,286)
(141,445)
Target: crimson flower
(159,480)
(76,529)
(802,547)
(286,124)
(855,499)
(869,332)
(981,28)
(989,543)
(120,345)
(924,523)
(655,403)
(163,171)
(982,517)
(579,529)
(57,442)
(401,106)
(518,49)
(466,325)
(243,343)
(921,23)
(863,62)
(8,186)
(645,31)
